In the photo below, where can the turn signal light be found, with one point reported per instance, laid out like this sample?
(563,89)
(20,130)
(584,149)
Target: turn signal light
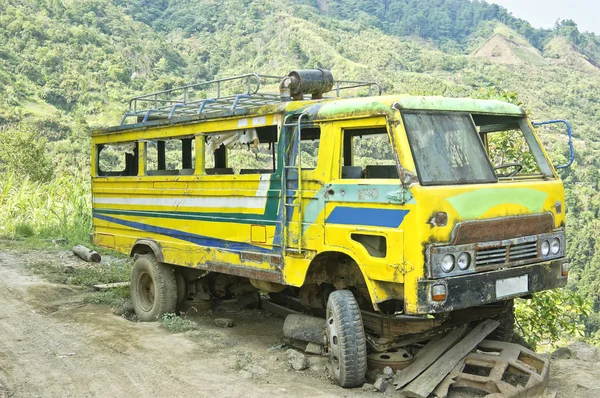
(439,292)
(564,269)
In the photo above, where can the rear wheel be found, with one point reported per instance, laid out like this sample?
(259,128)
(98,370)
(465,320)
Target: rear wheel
(153,288)
(346,339)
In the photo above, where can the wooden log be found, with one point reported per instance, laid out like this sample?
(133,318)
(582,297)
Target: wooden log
(428,354)
(107,286)
(86,254)
(304,328)
(423,385)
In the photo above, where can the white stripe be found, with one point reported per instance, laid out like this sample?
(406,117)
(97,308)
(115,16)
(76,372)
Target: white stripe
(263,185)
(257,202)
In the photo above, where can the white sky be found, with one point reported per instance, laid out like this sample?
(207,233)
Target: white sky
(543,13)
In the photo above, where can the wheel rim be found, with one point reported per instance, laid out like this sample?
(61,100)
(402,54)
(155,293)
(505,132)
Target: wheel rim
(146,293)
(333,343)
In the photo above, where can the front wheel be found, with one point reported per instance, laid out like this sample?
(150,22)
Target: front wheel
(505,331)
(153,288)
(346,339)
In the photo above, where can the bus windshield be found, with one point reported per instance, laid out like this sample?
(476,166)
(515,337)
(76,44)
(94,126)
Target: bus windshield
(447,149)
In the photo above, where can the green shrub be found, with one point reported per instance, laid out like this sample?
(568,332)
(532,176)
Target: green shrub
(177,324)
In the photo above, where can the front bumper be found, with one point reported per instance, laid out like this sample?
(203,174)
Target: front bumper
(473,290)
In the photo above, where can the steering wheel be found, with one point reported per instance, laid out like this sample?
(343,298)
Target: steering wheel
(518,169)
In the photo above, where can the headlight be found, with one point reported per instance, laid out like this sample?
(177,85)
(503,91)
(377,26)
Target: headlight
(463,261)
(545,248)
(448,263)
(555,246)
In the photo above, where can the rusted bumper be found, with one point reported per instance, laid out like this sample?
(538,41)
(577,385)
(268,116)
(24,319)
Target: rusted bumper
(473,290)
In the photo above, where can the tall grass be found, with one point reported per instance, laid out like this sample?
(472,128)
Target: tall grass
(58,208)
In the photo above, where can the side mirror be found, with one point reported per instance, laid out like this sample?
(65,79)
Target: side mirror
(569,133)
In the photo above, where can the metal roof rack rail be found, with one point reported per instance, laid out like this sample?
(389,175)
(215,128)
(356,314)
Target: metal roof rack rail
(230,95)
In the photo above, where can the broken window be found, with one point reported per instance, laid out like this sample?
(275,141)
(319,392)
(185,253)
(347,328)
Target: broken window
(512,147)
(170,157)
(119,159)
(244,151)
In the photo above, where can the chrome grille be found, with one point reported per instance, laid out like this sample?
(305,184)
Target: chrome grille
(508,253)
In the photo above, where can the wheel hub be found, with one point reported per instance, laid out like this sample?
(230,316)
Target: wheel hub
(333,344)
(146,290)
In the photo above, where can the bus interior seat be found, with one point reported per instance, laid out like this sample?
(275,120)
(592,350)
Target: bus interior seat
(349,172)
(224,170)
(379,171)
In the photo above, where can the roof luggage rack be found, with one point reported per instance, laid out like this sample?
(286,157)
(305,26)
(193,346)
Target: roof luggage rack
(229,95)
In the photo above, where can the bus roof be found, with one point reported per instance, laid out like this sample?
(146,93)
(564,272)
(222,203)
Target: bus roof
(336,108)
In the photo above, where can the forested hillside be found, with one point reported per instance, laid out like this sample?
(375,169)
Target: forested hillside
(68,66)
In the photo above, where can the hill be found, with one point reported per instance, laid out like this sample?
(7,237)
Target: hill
(69,66)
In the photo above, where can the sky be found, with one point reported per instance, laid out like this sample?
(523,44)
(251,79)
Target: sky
(543,13)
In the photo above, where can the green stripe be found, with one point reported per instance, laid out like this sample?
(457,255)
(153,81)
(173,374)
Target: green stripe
(474,204)
(238,218)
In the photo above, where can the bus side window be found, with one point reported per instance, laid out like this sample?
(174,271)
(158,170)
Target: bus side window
(368,153)
(170,157)
(245,151)
(117,159)
(310,142)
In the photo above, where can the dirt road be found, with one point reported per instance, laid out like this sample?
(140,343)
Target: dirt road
(52,344)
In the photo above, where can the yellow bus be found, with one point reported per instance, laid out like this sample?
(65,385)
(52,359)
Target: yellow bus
(395,214)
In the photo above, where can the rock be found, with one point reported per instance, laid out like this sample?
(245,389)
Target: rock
(69,269)
(380,384)
(584,352)
(60,241)
(259,370)
(318,364)
(224,322)
(372,374)
(388,372)
(273,358)
(297,360)
(368,387)
(562,353)
(244,374)
(312,348)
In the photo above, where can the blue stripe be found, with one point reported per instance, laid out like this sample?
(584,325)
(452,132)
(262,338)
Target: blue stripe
(367,217)
(186,236)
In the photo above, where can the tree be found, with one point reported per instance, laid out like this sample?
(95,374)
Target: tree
(24,153)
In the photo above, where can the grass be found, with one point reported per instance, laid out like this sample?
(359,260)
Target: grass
(93,274)
(60,208)
(118,299)
(177,324)
(243,361)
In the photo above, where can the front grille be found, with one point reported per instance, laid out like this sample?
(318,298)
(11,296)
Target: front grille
(508,253)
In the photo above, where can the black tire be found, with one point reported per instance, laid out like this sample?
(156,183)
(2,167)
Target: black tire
(506,329)
(181,287)
(346,339)
(153,288)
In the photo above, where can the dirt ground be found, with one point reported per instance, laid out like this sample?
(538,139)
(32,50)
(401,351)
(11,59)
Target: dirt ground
(53,344)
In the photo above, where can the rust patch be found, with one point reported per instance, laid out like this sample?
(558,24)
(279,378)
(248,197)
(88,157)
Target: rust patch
(502,228)
(246,272)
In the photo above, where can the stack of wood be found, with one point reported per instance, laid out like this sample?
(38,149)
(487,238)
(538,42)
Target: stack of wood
(438,357)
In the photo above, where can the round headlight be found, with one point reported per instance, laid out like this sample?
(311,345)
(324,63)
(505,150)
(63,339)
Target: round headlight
(448,263)
(555,246)
(463,261)
(545,248)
